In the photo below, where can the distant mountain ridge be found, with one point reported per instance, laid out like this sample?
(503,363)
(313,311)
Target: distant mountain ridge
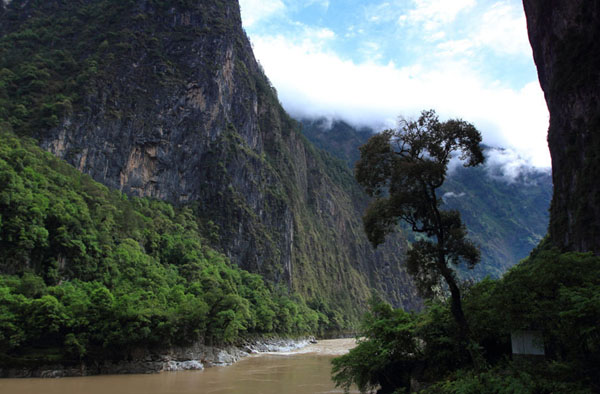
(507,219)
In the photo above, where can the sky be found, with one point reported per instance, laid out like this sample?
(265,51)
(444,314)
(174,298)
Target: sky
(369,62)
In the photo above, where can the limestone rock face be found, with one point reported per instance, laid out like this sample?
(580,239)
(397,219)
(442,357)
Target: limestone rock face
(175,107)
(565,36)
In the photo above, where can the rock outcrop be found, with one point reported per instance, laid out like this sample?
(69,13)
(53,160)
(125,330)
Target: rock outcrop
(565,36)
(170,103)
(194,357)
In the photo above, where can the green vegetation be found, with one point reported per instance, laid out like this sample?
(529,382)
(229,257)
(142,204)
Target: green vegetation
(506,219)
(55,54)
(270,201)
(553,293)
(404,169)
(92,274)
(337,137)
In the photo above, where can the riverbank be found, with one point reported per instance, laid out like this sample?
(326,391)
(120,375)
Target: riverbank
(300,371)
(144,361)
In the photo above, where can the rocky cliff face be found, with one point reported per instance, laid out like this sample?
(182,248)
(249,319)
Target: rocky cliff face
(507,219)
(565,35)
(167,101)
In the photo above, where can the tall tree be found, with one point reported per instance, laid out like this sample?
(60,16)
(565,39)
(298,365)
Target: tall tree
(403,169)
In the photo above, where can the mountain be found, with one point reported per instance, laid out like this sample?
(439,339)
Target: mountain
(507,218)
(337,137)
(566,50)
(165,100)
(551,297)
(88,274)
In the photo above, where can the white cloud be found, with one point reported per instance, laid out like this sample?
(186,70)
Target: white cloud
(463,27)
(371,50)
(448,195)
(501,29)
(382,12)
(434,14)
(256,10)
(508,165)
(319,33)
(462,47)
(445,61)
(314,82)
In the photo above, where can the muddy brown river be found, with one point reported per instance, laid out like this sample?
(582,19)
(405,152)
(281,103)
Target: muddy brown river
(303,371)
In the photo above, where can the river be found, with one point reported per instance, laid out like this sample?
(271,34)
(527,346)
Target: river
(303,371)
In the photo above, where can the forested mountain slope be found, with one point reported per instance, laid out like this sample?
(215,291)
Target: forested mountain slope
(89,274)
(507,218)
(164,99)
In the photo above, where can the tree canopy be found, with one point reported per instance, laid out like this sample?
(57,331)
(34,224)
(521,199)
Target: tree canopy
(89,274)
(557,294)
(403,169)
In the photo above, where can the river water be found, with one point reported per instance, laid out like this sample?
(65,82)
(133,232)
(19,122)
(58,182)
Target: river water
(303,371)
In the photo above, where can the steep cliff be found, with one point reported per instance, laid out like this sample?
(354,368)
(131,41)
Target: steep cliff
(506,218)
(565,35)
(164,99)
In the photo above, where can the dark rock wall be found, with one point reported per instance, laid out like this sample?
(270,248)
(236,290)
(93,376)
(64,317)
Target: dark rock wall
(565,37)
(185,114)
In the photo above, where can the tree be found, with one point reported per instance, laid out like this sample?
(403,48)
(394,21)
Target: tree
(403,169)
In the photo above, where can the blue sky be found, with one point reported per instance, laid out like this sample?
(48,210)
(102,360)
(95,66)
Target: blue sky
(368,62)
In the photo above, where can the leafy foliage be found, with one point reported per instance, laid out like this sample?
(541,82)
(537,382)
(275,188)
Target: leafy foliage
(554,293)
(384,357)
(504,380)
(91,273)
(75,67)
(396,346)
(505,217)
(404,169)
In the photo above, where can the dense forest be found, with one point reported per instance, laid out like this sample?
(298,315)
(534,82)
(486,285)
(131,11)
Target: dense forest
(90,273)
(225,228)
(553,293)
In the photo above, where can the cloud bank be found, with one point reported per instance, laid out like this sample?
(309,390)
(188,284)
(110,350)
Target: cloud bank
(448,72)
(257,10)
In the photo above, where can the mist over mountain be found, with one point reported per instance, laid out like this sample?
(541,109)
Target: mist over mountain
(504,203)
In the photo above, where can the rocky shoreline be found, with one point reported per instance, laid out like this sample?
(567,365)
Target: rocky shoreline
(195,357)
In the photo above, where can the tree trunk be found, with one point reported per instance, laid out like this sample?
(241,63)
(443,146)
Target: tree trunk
(455,299)
(464,331)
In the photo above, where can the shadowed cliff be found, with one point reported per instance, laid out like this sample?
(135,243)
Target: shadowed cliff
(564,37)
(164,99)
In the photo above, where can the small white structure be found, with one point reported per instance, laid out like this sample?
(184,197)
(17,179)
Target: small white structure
(527,343)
